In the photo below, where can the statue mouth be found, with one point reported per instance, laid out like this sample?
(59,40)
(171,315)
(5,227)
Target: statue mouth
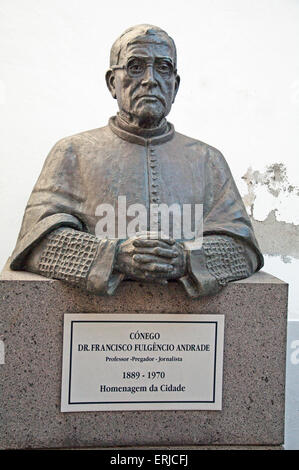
(150,98)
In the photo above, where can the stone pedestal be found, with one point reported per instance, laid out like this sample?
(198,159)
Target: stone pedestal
(31,315)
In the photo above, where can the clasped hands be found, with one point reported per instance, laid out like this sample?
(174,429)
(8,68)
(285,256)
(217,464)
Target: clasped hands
(144,257)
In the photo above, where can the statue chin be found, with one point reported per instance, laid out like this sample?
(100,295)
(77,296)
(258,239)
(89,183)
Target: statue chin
(150,116)
(150,120)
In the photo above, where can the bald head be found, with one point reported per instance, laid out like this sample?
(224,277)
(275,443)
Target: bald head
(143,33)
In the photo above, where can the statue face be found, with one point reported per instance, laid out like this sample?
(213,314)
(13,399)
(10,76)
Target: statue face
(145,82)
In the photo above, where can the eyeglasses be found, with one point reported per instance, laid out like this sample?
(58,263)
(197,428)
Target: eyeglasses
(136,67)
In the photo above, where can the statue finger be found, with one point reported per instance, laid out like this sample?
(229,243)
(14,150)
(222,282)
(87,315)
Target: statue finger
(149,258)
(156,251)
(165,252)
(155,236)
(157,267)
(142,242)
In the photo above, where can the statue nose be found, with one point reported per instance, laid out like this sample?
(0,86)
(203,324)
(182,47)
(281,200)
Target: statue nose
(149,76)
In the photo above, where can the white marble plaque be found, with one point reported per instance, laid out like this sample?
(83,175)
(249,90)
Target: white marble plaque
(142,362)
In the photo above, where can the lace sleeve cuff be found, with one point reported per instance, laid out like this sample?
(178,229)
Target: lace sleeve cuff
(80,258)
(220,260)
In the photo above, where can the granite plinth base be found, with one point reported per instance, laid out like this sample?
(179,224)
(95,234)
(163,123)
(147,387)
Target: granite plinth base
(31,313)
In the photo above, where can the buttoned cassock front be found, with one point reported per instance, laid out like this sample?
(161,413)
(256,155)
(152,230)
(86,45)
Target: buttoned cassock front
(96,167)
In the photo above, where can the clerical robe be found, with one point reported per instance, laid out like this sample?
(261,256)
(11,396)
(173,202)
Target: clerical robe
(95,167)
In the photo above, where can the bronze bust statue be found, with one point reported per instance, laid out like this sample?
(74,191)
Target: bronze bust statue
(138,155)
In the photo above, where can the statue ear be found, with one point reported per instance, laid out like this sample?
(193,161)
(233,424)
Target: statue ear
(176,86)
(110,80)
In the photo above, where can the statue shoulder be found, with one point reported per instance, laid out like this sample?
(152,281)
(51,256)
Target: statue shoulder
(200,148)
(68,151)
(83,139)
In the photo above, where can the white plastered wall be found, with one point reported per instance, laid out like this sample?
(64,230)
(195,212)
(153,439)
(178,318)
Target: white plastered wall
(239,67)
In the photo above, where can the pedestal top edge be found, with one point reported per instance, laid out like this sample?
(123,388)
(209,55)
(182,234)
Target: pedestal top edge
(8,274)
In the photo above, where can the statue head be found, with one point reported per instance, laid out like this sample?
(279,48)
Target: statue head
(142,75)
